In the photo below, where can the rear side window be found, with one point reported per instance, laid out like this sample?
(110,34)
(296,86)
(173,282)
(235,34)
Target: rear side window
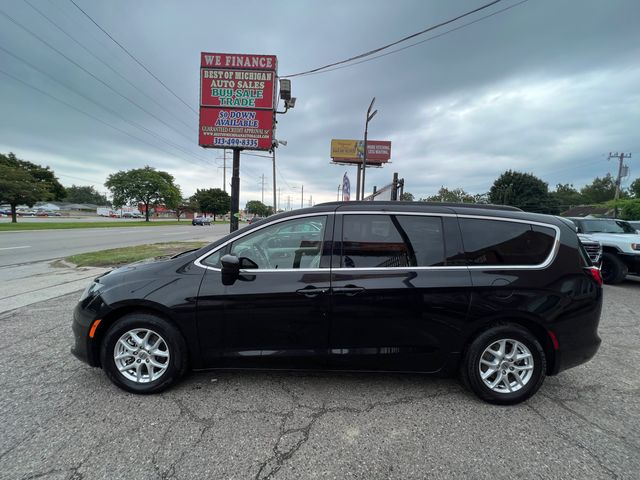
(391,241)
(495,242)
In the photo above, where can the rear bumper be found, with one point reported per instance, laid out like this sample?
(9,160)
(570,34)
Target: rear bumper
(578,339)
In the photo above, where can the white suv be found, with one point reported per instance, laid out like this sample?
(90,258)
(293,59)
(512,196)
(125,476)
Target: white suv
(620,244)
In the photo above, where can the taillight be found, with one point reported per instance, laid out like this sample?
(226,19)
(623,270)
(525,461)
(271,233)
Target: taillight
(595,273)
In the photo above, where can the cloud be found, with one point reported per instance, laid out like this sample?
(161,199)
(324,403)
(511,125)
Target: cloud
(546,87)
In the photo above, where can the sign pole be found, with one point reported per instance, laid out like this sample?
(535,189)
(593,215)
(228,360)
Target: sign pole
(235,190)
(359,167)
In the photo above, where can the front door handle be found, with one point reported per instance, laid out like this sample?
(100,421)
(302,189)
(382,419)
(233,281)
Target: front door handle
(311,292)
(348,290)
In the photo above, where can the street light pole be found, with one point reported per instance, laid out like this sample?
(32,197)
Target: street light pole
(366,132)
(275,145)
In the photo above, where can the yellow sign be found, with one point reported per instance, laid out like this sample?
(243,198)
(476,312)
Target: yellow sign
(347,149)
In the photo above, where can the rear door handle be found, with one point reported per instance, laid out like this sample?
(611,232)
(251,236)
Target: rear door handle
(349,290)
(311,292)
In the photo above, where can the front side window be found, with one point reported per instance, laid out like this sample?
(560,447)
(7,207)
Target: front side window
(385,241)
(496,242)
(295,243)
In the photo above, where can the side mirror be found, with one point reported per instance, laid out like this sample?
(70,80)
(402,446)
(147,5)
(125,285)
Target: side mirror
(230,269)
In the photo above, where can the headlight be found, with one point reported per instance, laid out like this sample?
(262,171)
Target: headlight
(91,290)
(635,246)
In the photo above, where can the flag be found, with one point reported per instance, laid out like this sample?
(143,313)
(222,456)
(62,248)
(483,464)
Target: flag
(346,188)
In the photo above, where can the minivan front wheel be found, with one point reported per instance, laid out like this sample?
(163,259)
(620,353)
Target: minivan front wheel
(143,353)
(504,365)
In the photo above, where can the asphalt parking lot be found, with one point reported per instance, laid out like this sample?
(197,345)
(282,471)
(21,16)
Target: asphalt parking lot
(61,419)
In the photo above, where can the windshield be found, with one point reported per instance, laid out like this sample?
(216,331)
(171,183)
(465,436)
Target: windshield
(606,226)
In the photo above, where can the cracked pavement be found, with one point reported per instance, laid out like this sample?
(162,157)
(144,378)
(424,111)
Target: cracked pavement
(61,419)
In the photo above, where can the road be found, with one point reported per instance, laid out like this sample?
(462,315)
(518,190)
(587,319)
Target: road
(61,419)
(22,247)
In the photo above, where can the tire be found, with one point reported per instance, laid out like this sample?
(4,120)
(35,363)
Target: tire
(167,365)
(530,368)
(614,270)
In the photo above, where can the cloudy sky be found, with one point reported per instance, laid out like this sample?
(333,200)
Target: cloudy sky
(548,87)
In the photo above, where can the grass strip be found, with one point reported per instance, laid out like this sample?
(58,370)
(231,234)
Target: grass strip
(121,256)
(8,227)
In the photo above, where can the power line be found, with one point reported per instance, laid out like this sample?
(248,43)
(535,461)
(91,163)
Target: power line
(420,42)
(11,19)
(114,113)
(134,58)
(46,17)
(88,114)
(384,47)
(78,178)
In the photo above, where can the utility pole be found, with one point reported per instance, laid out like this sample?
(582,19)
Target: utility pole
(235,190)
(620,156)
(262,182)
(279,203)
(275,205)
(224,170)
(288,202)
(311,200)
(338,196)
(302,197)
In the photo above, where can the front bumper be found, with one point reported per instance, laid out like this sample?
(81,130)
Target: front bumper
(83,348)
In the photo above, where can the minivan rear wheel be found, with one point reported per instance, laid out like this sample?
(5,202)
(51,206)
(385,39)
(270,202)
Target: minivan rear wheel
(504,365)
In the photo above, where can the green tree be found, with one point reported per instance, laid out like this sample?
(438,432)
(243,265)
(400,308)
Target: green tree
(600,190)
(634,188)
(457,195)
(257,208)
(630,209)
(407,197)
(522,190)
(566,196)
(23,182)
(212,200)
(146,186)
(85,194)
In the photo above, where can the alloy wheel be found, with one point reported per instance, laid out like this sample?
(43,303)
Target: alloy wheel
(506,366)
(141,355)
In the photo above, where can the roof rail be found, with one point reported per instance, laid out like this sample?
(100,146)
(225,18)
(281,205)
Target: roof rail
(486,206)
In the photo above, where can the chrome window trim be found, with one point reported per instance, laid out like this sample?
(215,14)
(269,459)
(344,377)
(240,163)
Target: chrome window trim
(548,261)
(541,266)
(198,261)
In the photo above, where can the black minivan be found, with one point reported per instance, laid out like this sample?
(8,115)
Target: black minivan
(500,297)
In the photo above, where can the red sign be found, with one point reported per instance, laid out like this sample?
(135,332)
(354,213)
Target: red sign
(236,128)
(233,60)
(237,100)
(378,151)
(236,88)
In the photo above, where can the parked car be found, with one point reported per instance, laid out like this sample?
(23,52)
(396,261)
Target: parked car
(201,221)
(593,248)
(499,296)
(620,245)
(253,220)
